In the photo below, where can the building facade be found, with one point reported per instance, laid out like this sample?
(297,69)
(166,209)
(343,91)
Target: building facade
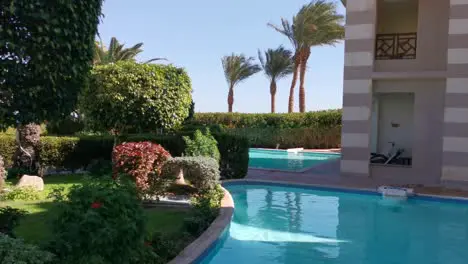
(406,88)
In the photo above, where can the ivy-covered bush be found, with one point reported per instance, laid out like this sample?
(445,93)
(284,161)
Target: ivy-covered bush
(204,145)
(130,97)
(9,219)
(201,172)
(14,251)
(46,48)
(140,160)
(102,221)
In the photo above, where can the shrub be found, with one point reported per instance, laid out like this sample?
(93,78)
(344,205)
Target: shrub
(234,150)
(100,167)
(7,149)
(14,251)
(21,194)
(168,246)
(101,220)
(319,119)
(9,219)
(139,160)
(202,145)
(201,172)
(67,126)
(205,210)
(129,97)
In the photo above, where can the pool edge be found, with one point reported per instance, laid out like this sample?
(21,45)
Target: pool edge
(197,250)
(338,188)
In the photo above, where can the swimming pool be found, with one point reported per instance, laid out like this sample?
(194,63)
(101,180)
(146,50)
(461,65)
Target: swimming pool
(287,161)
(278,224)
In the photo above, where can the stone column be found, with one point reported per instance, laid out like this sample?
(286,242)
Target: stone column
(357,86)
(455,141)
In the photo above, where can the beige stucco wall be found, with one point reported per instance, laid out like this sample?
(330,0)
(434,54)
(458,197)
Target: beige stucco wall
(432,40)
(395,17)
(428,130)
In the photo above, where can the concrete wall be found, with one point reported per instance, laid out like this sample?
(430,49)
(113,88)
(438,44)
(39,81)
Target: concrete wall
(428,131)
(432,29)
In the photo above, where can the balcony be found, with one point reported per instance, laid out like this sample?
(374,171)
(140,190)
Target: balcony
(396,46)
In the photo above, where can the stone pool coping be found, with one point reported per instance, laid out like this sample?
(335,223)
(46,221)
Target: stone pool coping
(351,189)
(193,252)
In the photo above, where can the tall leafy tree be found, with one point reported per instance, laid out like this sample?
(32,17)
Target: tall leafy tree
(277,64)
(117,52)
(237,68)
(46,50)
(316,24)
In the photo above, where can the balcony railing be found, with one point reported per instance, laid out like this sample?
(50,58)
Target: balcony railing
(398,46)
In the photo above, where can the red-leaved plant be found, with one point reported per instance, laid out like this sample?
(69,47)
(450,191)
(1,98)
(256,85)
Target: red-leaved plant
(139,160)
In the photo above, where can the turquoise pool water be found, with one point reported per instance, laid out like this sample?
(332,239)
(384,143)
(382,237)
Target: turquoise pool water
(283,160)
(273,224)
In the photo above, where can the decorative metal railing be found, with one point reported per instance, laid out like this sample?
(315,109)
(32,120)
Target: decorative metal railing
(398,46)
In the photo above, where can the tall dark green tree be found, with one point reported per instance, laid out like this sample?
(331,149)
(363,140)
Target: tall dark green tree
(46,53)
(237,68)
(117,52)
(277,64)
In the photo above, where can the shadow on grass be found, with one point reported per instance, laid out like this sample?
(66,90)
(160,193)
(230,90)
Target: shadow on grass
(36,226)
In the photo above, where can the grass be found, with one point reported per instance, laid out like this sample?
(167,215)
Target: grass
(35,226)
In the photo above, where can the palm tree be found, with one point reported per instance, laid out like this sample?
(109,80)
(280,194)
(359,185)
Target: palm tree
(117,52)
(290,31)
(327,29)
(276,64)
(236,69)
(316,23)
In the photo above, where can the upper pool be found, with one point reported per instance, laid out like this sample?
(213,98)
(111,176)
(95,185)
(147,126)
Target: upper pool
(287,161)
(277,224)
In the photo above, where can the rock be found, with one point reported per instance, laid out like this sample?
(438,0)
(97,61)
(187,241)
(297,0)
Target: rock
(35,182)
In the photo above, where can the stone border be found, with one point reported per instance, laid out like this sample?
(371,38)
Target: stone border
(197,248)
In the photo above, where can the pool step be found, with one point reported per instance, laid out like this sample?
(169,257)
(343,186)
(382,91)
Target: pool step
(395,192)
(295,150)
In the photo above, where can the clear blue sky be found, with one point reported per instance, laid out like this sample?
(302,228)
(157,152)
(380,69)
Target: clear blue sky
(196,34)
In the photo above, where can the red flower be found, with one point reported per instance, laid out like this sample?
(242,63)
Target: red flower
(96,205)
(148,243)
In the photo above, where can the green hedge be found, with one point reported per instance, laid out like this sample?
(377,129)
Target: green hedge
(7,149)
(319,119)
(77,152)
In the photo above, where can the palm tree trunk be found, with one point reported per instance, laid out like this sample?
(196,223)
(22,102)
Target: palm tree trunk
(297,62)
(230,98)
(273,95)
(305,53)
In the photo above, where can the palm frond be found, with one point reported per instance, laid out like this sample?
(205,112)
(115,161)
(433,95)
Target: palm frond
(238,68)
(277,63)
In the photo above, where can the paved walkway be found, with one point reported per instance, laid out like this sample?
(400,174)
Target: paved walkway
(328,174)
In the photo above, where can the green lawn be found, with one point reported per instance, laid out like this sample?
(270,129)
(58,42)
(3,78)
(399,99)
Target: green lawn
(35,226)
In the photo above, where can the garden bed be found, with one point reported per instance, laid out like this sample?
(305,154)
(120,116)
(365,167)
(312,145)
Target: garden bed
(35,228)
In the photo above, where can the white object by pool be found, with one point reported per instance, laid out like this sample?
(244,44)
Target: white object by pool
(295,150)
(395,192)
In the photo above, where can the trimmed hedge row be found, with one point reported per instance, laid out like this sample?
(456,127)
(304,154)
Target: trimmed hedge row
(78,152)
(319,119)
